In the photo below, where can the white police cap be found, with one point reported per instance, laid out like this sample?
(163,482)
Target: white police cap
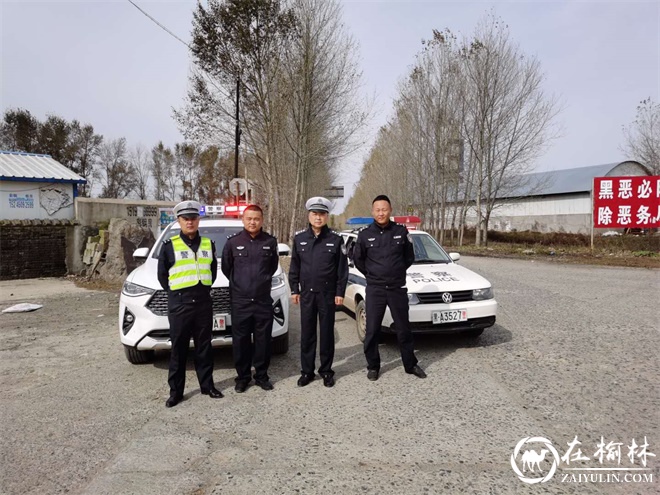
(318,203)
(187,208)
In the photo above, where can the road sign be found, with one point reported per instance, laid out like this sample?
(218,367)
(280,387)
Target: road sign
(335,192)
(238,187)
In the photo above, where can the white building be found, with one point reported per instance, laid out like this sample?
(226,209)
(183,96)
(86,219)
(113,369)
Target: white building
(557,201)
(36,187)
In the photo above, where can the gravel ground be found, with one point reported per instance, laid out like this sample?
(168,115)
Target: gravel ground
(574,353)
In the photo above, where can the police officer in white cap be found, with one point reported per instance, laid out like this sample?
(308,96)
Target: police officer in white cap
(187,267)
(317,277)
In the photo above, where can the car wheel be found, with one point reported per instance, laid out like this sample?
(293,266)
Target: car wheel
(135,356)
(361,320)
(281,344)
(473,334)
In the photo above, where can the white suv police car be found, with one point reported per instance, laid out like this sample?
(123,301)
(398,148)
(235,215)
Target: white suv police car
(443,296)
(143,324)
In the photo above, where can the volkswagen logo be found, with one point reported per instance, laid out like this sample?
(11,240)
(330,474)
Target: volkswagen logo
(446,297)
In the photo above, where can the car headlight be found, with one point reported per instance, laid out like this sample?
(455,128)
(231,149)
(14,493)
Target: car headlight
(413,299)
(133,290)
(278,281)
(481,294)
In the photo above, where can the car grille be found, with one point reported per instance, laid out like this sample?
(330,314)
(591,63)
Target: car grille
(436,297)
(220,297)
(164,333)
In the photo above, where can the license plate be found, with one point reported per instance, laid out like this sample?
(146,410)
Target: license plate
(219,322)
(449,316)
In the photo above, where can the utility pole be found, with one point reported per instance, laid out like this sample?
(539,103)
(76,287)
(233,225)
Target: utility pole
(238,133)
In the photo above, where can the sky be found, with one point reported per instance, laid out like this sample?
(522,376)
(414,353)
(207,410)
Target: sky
(105,63)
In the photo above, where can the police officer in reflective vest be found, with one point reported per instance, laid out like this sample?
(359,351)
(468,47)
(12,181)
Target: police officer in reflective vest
(317,277)
(383,252)
(187,267)
(249,261)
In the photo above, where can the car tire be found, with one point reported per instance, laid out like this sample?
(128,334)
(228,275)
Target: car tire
(136,356)
(474,333)
(281,344)
(361,320)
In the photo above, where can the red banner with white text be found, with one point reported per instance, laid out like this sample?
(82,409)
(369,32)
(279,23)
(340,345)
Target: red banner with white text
(627,202)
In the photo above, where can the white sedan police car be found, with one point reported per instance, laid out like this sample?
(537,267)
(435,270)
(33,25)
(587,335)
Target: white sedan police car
(143,324)
(443,296)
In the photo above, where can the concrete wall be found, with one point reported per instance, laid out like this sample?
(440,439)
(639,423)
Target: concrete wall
(93,212)
(33,248)
(36,200)
(566,213)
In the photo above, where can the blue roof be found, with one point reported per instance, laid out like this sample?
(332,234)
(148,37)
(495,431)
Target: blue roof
(567,181)
(19,166)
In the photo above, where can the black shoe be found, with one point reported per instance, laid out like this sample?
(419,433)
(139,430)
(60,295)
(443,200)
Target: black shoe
(329,381)
(213,393)
(264,384)
(241,386)
(173,401)
(305,380)
(417,371)
(372,375)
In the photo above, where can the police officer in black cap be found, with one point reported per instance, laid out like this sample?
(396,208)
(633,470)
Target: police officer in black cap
(187,267)
(249,261)
(383,252)
(317,277)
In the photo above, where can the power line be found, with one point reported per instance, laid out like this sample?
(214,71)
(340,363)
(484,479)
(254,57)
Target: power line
(159,24)
(208,76)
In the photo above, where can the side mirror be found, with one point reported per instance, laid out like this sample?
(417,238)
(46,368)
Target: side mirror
(141,253)
(455,256)
(283,249)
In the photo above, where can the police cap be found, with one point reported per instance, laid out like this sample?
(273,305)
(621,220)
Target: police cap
(187,208)
(318,204)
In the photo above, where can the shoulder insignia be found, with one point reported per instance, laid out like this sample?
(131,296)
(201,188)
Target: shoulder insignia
(336,233)
(167,241)
(232,235)
(362,228)
(300,231)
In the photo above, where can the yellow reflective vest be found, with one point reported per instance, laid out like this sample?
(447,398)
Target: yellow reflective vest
(190,268)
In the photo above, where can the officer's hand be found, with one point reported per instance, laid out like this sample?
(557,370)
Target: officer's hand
(295,298)
(339,301)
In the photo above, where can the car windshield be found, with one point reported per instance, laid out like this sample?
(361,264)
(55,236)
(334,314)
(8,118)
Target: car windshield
(217,234)
(427,250)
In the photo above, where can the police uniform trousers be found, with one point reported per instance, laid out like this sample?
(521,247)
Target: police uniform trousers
(378,298)
(315,305)
(252,331)
(190,320)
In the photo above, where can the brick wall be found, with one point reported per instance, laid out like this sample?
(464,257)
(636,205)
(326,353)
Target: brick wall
(33,248)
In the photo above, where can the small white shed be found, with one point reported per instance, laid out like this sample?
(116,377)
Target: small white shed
(36,187)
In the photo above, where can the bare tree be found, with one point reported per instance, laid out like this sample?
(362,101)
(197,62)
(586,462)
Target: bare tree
(325,116)
(299,78)
(116,175)
(507,119)
(161,169)
(141,165)
(86,146)
(468,122)
(642,137)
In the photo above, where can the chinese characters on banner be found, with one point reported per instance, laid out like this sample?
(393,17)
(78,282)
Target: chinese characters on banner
(627,202)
